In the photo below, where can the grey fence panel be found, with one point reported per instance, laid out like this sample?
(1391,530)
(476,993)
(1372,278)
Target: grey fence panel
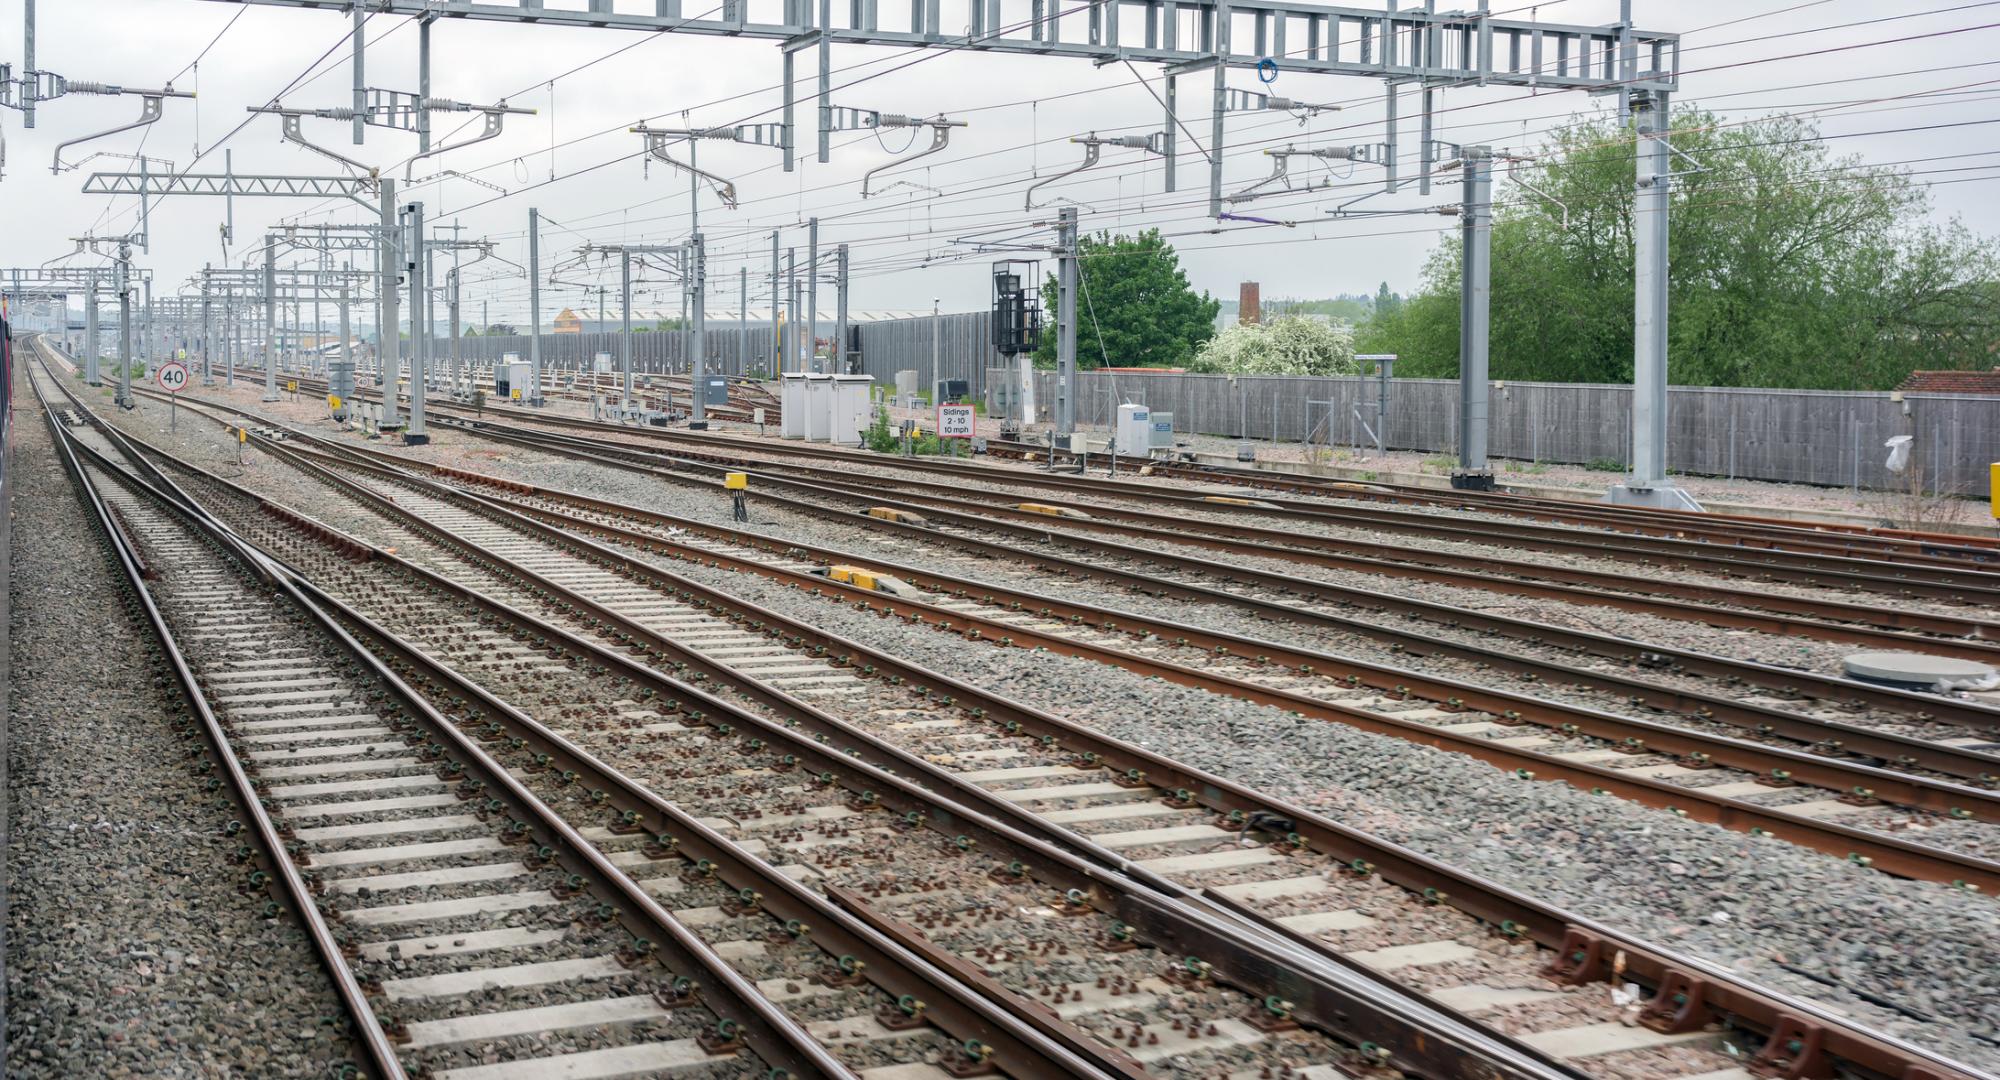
(1827,438)
(1821,437)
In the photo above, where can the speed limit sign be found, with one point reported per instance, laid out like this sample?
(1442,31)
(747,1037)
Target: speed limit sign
(172,377)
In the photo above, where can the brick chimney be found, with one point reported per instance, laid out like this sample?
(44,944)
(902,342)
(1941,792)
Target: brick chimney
(1249,304)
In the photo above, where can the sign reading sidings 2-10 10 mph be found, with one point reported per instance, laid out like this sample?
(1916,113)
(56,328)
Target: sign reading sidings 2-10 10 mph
(172,377)
(954,421)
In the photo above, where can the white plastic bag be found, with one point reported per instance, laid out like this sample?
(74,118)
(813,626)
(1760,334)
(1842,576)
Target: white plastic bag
(1899,453)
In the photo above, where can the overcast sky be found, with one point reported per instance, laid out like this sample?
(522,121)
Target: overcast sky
(1021,112)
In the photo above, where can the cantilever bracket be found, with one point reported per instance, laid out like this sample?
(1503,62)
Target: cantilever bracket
(294,134)
(656,149)
(1154,143)
(496,116)
(940,138)
(153,105)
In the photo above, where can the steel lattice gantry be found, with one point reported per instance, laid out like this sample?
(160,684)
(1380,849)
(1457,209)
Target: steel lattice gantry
(1421,46)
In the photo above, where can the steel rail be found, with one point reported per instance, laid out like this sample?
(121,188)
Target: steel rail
(1775,624)
(1251,963)
(1886,853)
(774,1036)
(374,1043)
(1731,530)
(1575,586)
(1162,524)
(1756,564)
(1785,534)
(1509,708)
(1947,580)
(1788,682)
(1699,983)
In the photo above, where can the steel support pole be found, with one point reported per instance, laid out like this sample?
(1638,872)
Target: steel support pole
(1066,278)
(207,366)
(457,355)
(423,91)
(812,289)
(90,333)
(777,320)
(390,333)
(697,278)
(534,306)
(28,64)
(1649,262)
(124,395)
(270,317)
(1475,225)
(840,307)
(1221,74)
(346,389)
(625,336)
(1647,484)
(789,339)
(148,333)
(1171,95)
(417,263)
(743,321)
(825,85)
(360,46)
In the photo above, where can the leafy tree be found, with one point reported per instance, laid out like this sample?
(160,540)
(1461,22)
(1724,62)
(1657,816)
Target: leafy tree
(500,330)
(1134,305)
(1294,345)
(1789,267)
(1387,304)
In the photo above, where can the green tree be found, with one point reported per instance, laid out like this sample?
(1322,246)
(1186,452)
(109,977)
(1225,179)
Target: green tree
(1387,304)
(1134,306)
(1790,266)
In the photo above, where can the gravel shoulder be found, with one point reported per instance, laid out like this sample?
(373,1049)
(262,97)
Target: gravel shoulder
(129,950)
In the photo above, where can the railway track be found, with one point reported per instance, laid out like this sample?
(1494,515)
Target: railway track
(1715,536)
(1194,1021)
(387,855)
(1239,578)
(1872,624)
(1692,772)
(1109,807)
(1772,533)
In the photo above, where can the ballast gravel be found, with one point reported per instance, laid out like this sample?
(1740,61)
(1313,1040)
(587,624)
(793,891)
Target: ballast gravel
(1911,959)
(129,950)
(1793,919)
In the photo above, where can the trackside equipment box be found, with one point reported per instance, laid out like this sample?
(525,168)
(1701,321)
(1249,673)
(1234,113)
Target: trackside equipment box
(847,398)
(792,405)
(1135,430)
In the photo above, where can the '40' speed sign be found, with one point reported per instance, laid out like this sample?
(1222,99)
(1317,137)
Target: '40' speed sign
(172,377)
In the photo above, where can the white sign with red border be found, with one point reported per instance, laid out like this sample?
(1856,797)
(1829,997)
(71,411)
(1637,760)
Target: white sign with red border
(954,421)
(172,377)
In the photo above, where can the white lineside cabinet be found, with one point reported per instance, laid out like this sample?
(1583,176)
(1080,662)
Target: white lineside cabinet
(849,402)
(819,407)
(1135,430)
(792,404)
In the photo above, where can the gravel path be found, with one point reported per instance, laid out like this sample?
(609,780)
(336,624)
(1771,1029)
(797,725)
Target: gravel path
(129,951)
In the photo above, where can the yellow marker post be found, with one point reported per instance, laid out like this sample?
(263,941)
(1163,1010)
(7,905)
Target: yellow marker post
(1993,487)
(738,486)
